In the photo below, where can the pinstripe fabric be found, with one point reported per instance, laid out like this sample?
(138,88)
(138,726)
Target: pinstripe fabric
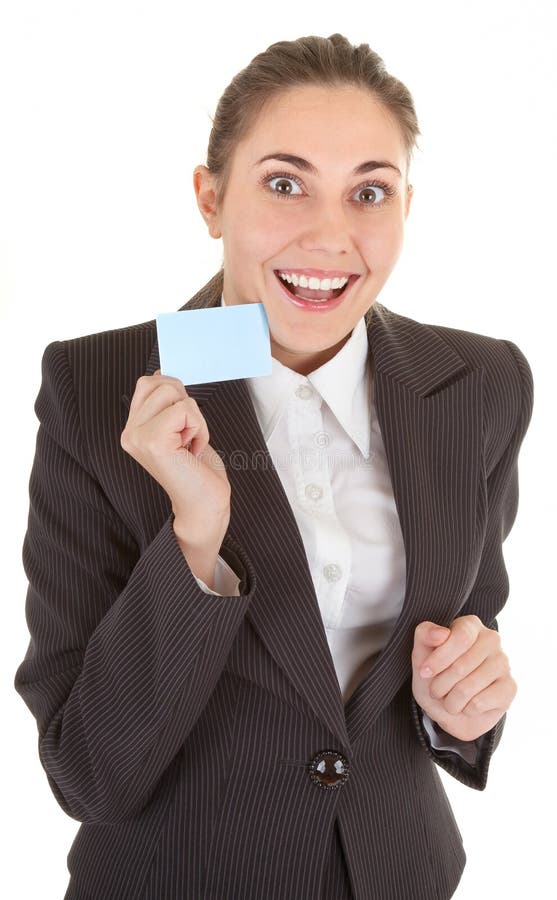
(177,726)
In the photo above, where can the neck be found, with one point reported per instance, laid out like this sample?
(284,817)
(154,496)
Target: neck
(305,363)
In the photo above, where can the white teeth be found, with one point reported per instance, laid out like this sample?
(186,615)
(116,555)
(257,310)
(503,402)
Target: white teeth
(315,284)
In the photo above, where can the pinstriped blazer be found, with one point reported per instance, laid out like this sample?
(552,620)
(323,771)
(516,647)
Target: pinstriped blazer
(178,727)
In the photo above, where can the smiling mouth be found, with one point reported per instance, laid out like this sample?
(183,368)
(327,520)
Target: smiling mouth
(300,293)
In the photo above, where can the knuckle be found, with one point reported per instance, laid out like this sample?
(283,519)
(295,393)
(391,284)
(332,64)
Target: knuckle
(422,629)
(128,438)
(197,415)
(461,691)
(171,389)
(495,638)
(172,380)
(459,668)
(469,628)
(471,619)
(193,403)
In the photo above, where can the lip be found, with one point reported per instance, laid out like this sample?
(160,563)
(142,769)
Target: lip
(326,306)
(319,273)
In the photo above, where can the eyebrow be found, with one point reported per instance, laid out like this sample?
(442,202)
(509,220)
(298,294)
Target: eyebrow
(306,166)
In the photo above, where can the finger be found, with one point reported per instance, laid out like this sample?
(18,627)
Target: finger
(464,633)
(427,636)
(164,395)
(195,435)
(456,692)
(177,428)
(444,681)
(145,386)
(496,696)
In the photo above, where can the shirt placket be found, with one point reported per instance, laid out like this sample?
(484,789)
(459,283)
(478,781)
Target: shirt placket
(313,444)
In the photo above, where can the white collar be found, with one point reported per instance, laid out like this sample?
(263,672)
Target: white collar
(344,382)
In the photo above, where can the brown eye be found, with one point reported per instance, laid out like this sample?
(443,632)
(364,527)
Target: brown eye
(283,185)
(372,191)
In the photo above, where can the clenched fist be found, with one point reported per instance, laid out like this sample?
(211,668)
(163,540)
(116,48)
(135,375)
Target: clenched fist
(461,677)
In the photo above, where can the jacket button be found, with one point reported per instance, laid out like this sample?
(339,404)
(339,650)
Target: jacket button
(329,769)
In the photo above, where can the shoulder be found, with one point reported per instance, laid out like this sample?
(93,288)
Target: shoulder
(505,366)
(475,348)
(119,350)
(508,386)
(106,350)
(88,375)
(502,360)
(507,381)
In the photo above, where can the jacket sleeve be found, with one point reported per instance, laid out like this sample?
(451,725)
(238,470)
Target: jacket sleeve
(439,739)
(125,648)
(491,587)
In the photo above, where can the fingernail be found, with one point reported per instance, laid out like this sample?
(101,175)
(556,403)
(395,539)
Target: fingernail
(426,672)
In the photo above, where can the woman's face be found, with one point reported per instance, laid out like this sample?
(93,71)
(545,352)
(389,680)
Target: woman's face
(279,215)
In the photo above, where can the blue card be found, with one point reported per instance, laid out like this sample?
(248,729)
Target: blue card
(215,344)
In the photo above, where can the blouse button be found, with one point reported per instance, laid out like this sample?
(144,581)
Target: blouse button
(329,769)
(332,572)
(314,491)
(304,392)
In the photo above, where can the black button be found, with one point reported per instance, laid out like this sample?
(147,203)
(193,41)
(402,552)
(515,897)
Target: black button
(329,769)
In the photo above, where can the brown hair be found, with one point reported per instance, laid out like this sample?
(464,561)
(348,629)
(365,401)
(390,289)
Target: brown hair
(331,62)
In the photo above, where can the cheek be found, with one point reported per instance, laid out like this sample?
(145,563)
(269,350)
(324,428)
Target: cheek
(262,240)
(383,247)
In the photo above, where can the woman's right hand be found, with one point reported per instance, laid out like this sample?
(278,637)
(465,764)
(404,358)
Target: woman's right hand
(167,434)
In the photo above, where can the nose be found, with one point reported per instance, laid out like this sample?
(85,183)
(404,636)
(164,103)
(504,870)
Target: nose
(327,229)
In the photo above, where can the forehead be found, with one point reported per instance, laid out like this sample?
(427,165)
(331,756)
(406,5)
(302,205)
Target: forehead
(325,122)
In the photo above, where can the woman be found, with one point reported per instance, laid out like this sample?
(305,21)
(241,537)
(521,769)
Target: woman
(226,656)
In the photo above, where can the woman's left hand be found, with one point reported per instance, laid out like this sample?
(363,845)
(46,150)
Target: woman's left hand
(469,687)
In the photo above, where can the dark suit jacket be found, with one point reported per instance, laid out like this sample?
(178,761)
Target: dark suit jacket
(178,726)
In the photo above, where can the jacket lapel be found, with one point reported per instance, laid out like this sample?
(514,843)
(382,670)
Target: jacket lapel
(429,408)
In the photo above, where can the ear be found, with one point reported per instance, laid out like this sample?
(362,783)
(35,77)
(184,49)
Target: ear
(408,201)
(204,187)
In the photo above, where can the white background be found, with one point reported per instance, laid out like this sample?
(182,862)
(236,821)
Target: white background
(104,112)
